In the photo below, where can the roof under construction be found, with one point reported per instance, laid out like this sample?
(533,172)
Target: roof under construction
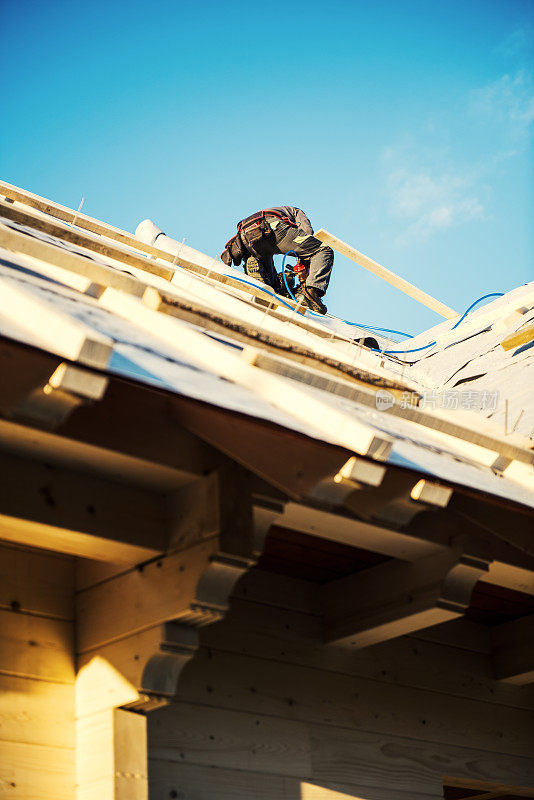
(460,410)
(198,472)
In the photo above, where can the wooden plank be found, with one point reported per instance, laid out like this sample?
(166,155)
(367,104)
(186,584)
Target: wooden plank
(307,694)
(208,307)
(97,439)
(234,740)
(379,539)
(36,712)
(36,647)
(90,572)
(290,637)
(36,582)
(18,241)
(27,264)
(141,598)
(92,242)
(400,763)
(287,396)
(171,779)
(520,337)
(28,772)
(286,460)
(29,318)
(125,255)
(74,543)
(253,742)
(398,597)
(66,214)
(79,514)
(317,791)
(387,275)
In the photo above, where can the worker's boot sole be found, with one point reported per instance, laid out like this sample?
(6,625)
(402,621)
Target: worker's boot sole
(252,268)
(306,299)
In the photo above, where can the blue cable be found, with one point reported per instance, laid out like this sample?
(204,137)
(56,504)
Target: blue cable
(426,346)
(492,294)
(289,253)
(357,324)
(248,283)
(375,328)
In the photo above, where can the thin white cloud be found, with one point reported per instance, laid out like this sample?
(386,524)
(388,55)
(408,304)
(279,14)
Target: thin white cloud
(428,189)
(509,103)
(519,42)
(430,203)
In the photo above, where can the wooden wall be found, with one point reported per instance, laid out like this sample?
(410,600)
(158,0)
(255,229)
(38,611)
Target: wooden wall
(36,675)
(266,712)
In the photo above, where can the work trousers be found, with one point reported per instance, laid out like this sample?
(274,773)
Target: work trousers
(319,257)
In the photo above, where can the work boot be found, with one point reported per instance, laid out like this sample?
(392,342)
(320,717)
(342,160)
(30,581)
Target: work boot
(310,297)
(252,268)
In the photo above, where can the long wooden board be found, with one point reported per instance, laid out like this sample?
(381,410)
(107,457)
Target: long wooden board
(306,694)
(387,275)
(36,647)
(36,582)
(159,265)
(36,771)
(36,712)
(323,753)
(168,777)
(292,637)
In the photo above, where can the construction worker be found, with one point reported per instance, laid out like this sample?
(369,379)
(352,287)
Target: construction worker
(282,229)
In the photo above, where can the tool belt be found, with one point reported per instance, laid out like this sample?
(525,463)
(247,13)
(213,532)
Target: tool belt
(250,231)
(256,227)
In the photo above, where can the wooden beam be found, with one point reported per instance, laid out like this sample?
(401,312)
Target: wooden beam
(36,647)
(36,582)
(520,337)
(513,651)
(30,770)
(290,461)
(162,590)
(127,255)
(98,437)
(92,268)
(79,514)
(387,275)
(93,242)
(397,598)
(66,214)
(339,527)
(287,396)
(27,317)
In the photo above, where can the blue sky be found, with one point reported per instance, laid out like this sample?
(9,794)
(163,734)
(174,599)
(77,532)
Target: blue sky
(402,126)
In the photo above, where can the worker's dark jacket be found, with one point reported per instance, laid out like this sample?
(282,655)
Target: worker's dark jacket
(280,229)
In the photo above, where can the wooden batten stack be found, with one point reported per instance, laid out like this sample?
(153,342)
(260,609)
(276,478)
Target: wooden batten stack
(225,572)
